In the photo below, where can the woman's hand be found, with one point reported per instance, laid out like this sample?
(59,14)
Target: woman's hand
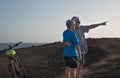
(80,57)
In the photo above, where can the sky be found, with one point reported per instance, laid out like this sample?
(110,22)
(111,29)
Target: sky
(44,20)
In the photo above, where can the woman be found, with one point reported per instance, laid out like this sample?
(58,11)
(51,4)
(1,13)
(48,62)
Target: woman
(71,52)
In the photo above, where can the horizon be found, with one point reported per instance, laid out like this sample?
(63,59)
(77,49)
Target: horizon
(57,41)
(44,20)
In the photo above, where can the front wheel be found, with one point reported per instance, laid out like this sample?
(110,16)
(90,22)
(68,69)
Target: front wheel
(19,69)
(13,70)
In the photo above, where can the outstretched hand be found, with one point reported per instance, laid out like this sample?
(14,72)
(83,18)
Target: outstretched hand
(104,23)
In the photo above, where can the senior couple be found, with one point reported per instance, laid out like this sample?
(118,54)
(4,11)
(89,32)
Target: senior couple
(75,46)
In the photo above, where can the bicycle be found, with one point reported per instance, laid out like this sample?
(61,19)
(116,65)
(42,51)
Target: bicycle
(15,66)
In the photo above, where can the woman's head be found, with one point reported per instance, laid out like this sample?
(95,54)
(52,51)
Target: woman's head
(70,24)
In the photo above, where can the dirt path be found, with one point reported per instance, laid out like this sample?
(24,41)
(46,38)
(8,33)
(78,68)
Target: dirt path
(107,66)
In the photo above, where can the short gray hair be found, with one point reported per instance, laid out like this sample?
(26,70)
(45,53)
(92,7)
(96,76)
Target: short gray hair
(69,22)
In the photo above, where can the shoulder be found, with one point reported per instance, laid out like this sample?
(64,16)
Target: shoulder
(81,27)
(73,34)
(67,32)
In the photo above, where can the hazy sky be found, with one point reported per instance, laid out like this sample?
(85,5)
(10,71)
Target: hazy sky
(44,20)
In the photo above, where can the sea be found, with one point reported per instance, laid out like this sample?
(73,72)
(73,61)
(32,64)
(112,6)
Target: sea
(22,45)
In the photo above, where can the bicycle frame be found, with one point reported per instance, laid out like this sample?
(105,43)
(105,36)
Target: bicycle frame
(15,66)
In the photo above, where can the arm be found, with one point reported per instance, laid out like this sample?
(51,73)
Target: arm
(96,25)
(79,51)
(66,43)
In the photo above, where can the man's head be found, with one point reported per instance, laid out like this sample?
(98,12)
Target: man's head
(70,24)
(77,21)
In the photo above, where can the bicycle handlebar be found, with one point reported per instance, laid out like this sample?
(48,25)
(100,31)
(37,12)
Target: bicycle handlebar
(11,47)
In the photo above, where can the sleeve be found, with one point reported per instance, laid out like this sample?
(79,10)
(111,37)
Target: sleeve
(86,28)
(65,37)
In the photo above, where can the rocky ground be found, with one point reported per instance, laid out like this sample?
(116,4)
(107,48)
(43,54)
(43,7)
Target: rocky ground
(46,61)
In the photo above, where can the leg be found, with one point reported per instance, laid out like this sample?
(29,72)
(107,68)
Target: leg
(80,66)
(73,72)
(67,73)
(78,70)
(71,66)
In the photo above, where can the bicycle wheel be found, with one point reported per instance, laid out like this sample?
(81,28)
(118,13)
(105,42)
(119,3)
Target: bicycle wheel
(13,69)
(19,69)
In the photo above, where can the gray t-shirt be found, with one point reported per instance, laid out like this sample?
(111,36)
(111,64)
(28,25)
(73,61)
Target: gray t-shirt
(81,36)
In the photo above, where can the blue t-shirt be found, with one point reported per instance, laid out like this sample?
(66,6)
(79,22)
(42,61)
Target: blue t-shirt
(70,36)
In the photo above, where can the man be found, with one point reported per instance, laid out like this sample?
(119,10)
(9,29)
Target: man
(80,30)
(72,51)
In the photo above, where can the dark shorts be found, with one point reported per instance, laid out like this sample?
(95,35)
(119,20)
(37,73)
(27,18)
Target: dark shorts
(71,62)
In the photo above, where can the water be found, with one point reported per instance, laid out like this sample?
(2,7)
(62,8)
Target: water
(22,45)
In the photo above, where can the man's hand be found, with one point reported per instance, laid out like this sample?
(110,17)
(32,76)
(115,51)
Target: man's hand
(67,43)
(96,25)
(103,23)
